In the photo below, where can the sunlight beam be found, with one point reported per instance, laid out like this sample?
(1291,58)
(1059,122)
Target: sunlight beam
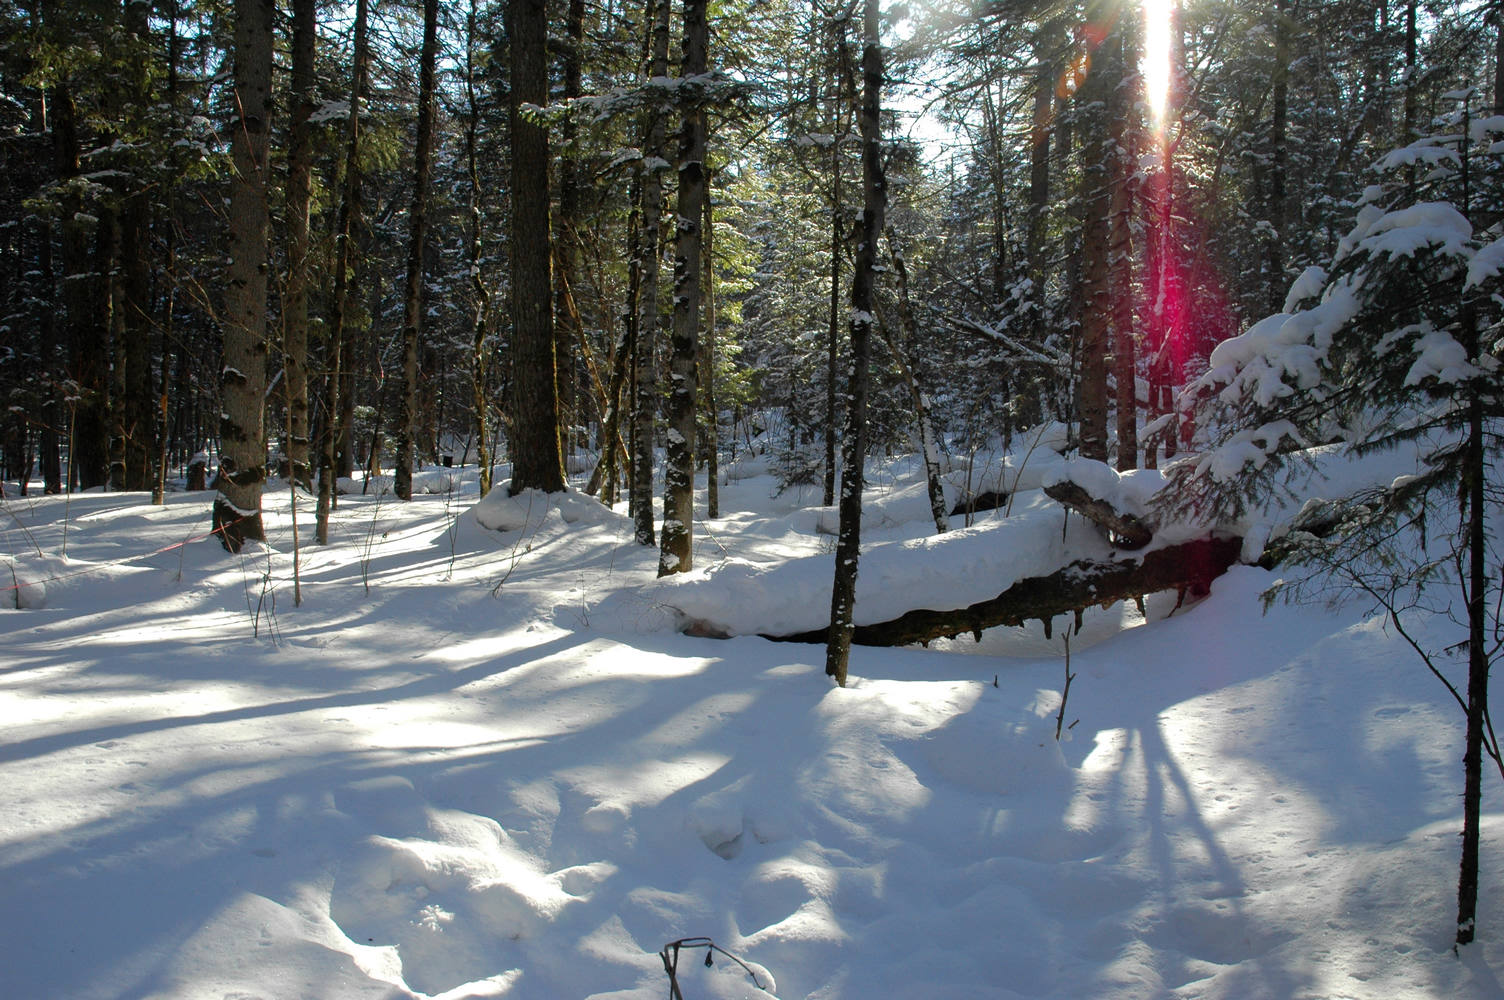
(1158,15)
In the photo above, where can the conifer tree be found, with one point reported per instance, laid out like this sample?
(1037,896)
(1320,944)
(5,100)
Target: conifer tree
(1397,344)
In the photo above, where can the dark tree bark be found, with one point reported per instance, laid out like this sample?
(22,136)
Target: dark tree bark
(837,239)
(1478,665)
(874,205)
(417,235)
(1279,157)
(1121,257)
(1412,64)
(1499,58)
(479,327)
(136,422)
(1474,488)
(712,420)
(1100,155)
(1039,157)
(299,198)
(568,330)
(676,554)
(336,420)
(645,404)
(928,447)
(168,338)
(536,459)
(50,458)
(613,450)
(112,318)
(992,113)
(88,347)
(242,470)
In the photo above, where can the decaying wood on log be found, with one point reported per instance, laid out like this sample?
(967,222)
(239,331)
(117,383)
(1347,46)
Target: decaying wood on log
(1189,566)
(1124,530)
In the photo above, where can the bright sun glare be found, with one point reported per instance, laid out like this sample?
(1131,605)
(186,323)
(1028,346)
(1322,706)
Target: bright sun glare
(1156,64)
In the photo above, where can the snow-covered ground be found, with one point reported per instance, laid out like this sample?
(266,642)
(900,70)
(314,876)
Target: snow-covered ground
(478,761)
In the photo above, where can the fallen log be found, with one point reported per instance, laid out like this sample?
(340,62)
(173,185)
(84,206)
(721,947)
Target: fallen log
(1124,530)
(1189,567)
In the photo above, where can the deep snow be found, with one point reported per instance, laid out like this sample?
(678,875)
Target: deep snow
(499,772)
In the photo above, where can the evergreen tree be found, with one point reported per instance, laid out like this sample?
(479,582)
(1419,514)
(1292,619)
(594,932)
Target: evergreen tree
(1397,343)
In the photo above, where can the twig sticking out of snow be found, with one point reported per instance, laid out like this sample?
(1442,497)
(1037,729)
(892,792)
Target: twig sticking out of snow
(670,956)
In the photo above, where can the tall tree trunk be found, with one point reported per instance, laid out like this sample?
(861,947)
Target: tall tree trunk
(336,424)
(1278,159)
(138,421)
(645,406)
(1412,70)
(676,554)
(536,459)
(874,204)
(1039,159)
(136,424)
(567,327)
(837,240)
(992,112)
(169,312)
(712,422)
(299,197)
(86,338)
(242,466)
(1499,57)
(622,368)
(1120,255)
(1474,482)
(1478,664)
(112,317)
(1100,154)
(50,458)
(479,327)
(417,235)
(928,446)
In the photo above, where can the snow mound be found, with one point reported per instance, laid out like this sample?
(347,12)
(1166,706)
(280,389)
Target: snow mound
(23,583)
(498,511)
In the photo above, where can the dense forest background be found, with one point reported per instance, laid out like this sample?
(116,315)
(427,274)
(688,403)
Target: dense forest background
(296,223)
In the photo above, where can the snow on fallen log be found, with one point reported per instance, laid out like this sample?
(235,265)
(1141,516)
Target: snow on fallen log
(947,573)
(1186,567)
(1118,501)
(1036,563)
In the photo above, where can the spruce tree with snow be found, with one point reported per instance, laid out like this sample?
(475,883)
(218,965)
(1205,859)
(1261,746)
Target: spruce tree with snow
(1396,345)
